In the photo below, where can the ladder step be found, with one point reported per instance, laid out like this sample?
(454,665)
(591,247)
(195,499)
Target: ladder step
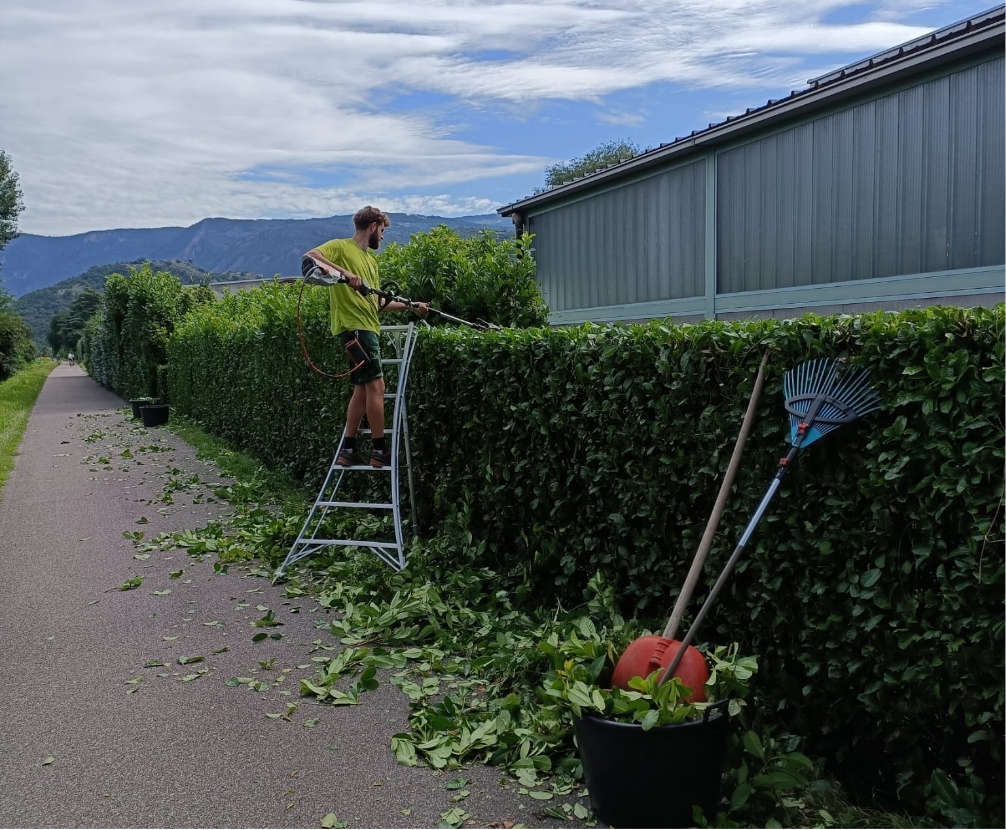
(357,467)
(376,505)
(358,543)
(363,467)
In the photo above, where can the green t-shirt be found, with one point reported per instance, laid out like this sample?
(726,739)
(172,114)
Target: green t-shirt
(351,311)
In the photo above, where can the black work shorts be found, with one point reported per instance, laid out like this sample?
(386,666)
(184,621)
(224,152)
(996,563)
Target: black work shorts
(372,369)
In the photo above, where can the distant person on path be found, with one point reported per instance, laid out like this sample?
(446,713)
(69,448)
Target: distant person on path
(70,358)
(354,317)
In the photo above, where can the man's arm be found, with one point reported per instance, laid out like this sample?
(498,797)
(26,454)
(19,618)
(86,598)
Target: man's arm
(333,269)
(419,308)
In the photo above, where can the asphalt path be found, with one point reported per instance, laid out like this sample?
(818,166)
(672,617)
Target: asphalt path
(94,734)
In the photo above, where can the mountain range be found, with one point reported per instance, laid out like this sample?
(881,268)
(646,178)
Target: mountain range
(254,247)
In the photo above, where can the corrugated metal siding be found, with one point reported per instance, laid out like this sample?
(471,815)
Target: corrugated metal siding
(991,204)
(637,243)
(906,184)
(936,184)
(963,209)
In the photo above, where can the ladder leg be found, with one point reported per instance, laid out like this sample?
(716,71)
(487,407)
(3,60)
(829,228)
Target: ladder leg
(408,469)
(304,537)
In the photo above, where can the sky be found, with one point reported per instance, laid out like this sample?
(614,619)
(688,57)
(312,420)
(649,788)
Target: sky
(153,113)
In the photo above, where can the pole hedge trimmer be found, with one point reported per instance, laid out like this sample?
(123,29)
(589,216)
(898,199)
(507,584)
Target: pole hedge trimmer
(314,274)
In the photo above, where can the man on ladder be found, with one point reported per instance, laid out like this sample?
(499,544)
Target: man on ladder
(355,323)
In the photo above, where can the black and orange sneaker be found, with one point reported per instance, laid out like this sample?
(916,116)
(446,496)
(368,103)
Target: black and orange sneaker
(348,458)
(379,458)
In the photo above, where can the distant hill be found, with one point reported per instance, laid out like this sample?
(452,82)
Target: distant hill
(260,247)
(38,307)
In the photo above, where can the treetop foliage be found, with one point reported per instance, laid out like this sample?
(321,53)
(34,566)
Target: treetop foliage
(37,308)
(124,343)
(611,152)
(16,348)
(11,200)
(475,277)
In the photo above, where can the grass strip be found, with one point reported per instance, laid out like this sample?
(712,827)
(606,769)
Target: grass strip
(17,399)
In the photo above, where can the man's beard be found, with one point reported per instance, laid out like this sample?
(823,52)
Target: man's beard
(374,241)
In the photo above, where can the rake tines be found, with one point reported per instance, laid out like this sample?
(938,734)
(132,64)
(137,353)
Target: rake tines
(823,399)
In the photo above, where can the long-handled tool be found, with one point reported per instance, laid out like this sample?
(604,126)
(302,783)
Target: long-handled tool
(314,274)
(645,655)
(820,397)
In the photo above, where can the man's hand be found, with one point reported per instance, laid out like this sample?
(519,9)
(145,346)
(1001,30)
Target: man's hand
(421,308)
(354,281)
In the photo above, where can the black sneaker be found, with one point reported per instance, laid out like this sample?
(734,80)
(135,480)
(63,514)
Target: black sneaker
(380,459)
(348,458)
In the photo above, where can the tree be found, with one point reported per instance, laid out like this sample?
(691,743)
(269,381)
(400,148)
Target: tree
(82,307)
(59,334)
(66,327)
(16,348)
(6,299)
(610,152)
(11,203)
(480,276)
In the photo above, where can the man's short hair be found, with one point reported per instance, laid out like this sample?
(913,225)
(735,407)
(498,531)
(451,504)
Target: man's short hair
(366,216)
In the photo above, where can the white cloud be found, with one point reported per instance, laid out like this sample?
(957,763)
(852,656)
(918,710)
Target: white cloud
(621,118)
(119,113)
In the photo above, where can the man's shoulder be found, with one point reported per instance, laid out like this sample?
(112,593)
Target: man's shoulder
(346,247)
(334,244)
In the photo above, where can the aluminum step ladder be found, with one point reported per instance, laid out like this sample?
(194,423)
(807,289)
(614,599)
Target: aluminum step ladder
(312,536)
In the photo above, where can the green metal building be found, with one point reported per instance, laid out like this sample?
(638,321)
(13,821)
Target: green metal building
(880,185)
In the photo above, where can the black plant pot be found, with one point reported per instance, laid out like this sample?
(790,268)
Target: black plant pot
(154,415)
(653,779)
(138,402)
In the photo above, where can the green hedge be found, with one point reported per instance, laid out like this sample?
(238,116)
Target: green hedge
(124,344)
(236,366)
(872,590)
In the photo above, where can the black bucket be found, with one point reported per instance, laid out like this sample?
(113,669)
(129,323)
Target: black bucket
(138,402)
(652,779)
(154,415)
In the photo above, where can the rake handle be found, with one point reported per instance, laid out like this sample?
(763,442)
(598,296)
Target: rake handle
(734,558)
(695,572)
